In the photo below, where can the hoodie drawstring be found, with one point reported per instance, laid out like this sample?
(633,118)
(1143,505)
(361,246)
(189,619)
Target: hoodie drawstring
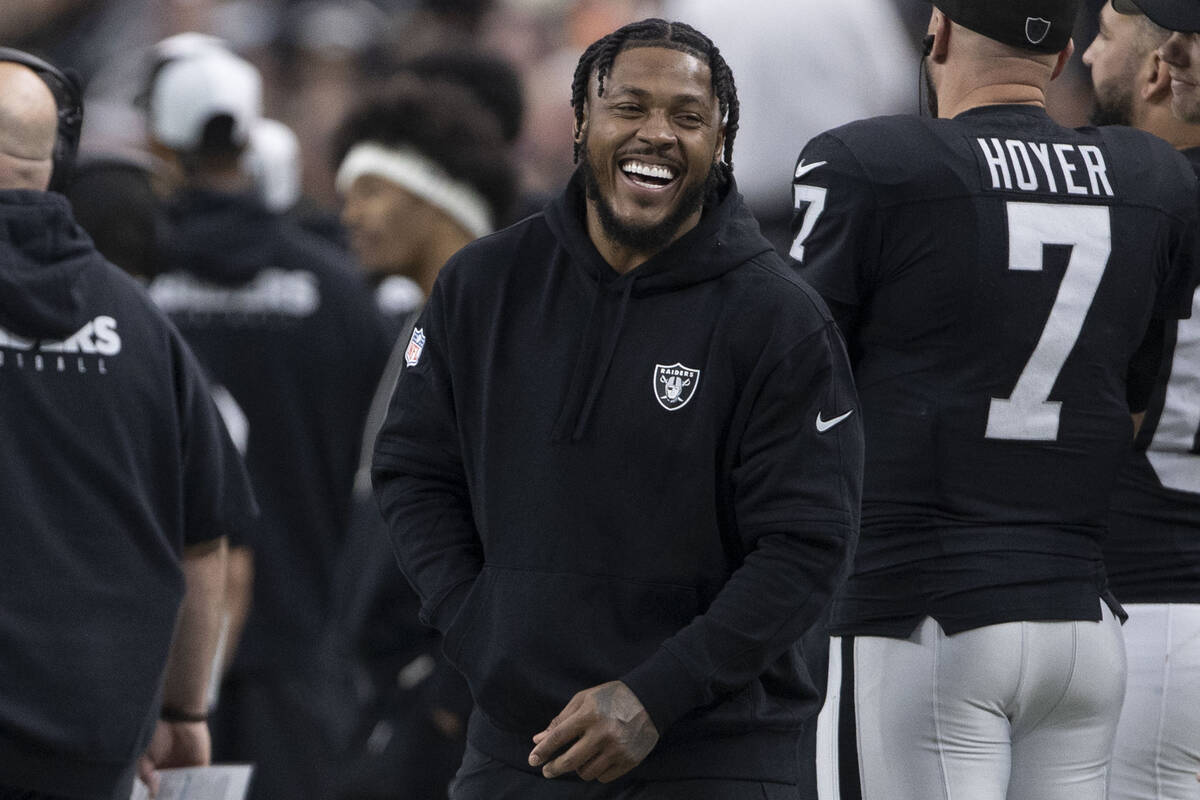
(578,406)
(566,414)
(598,380)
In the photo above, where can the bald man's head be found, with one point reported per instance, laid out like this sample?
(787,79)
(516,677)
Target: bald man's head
(28,126)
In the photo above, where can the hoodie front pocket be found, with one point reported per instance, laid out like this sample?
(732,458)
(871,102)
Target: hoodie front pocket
(528,641)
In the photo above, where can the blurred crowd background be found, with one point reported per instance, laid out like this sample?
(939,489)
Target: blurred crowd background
(801,66)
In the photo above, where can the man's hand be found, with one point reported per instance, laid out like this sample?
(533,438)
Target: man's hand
(607,729)
(174,744)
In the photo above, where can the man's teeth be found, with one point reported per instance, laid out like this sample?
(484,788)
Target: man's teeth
(648,170)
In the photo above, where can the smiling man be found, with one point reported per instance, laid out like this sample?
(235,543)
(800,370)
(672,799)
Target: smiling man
(1181,52)
(621,466)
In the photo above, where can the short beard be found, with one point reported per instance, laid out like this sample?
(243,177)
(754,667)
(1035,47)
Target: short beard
(1113,109)
(651,238)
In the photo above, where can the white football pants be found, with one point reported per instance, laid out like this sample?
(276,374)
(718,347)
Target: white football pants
(1157,755)
(1015,711)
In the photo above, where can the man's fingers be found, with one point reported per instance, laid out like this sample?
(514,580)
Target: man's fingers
(576,757)
(555,738)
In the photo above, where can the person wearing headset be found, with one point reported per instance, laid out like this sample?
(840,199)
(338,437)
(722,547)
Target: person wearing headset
(118,486)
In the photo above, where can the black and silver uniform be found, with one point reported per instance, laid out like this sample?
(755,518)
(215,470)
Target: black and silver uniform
(995,274)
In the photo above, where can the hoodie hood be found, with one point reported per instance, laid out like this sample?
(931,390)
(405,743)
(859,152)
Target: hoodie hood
(44,256)
(221,238)
(726,237)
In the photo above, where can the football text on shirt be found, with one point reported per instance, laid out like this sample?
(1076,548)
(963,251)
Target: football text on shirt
(1054,167)
(98,338)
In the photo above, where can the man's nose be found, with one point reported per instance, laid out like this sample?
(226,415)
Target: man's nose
(657,130)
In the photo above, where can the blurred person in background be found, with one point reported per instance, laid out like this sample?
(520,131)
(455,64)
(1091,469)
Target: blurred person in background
(498,89)
(118,486)
(286,327)
(1152,552)
(272,160)
(424,168)
(130,233)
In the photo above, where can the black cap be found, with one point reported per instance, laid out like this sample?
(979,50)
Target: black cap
(1174,15)
(1043,26)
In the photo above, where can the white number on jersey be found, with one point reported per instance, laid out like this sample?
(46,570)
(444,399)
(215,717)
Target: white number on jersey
(1028,414)
(815,197)
(1172,451)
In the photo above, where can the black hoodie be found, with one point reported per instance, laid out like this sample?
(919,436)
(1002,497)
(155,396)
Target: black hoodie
(591,476)
(114,459)
(284,324)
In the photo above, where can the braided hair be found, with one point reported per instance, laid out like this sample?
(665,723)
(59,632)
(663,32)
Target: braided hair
(655,32)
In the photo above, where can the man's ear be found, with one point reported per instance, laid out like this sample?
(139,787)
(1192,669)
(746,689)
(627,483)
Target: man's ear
(939,29)
(1063,57)
(1154,80)
(720,149)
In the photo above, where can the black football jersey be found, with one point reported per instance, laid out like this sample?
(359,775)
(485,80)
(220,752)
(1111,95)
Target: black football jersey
(1153,547)
(996,273)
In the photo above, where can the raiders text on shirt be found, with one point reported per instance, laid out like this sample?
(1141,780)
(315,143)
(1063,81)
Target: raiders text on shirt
(97,338)
(1057,168)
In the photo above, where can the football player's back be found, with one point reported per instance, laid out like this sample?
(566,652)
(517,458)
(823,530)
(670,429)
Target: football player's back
(994,274)
(1004,271)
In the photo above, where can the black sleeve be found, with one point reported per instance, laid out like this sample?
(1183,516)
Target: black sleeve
(1181,272)
(834,226)
(419,479)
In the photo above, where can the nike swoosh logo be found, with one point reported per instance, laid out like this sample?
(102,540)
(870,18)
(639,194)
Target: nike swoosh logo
(825,424)
(803,169)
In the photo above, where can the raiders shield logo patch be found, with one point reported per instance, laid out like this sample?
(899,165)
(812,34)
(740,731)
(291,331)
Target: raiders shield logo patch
(415,345)
(675,385)
(1036,29)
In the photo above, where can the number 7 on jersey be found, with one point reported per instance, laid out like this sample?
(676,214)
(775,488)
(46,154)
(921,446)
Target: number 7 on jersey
(1028,414)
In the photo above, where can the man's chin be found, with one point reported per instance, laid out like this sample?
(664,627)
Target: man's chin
(639,234)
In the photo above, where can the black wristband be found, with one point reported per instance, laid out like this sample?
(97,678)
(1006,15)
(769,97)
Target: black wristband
(172,714)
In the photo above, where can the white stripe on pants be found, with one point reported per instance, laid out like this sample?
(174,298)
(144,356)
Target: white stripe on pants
(1015,711)
(1157,754)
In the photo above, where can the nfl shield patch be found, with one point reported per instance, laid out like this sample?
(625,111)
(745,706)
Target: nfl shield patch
(415,345)
(675,385)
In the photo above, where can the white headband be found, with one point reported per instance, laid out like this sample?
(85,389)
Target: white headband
(422,177)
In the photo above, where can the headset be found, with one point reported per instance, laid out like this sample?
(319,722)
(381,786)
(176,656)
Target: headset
(922,100)
(68,96)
